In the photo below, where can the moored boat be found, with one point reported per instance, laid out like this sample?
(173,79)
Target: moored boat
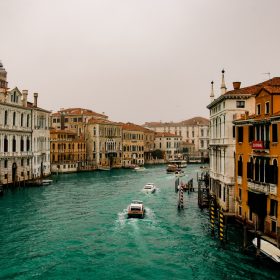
(136,209)
(268,249)
(139,168)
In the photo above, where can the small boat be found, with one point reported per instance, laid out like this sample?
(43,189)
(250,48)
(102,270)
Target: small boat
(136,209)
(179,173)
(171,168)
(46,182)
(268,249)
(139,168)
(180,163)
(149,188)
(104,168)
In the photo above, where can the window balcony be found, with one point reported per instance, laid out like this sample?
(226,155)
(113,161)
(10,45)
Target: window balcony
(262,187)
(260,145)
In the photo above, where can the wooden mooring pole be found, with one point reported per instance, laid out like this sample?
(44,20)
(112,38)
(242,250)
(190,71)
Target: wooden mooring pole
(181,198)
(212,217)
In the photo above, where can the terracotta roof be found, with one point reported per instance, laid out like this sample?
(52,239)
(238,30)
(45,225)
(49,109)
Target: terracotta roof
(102,121)
(196,121)
(192,121)
(132,127)
(166,134)
(78,111)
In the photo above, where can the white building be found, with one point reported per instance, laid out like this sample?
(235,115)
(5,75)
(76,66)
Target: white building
(21,156)
(228,106)
(169,143)
(194,131)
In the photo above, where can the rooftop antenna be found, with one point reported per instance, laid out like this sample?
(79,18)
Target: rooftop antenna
(267,73)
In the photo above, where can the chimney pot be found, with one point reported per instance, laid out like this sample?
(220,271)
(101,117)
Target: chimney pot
(35,99)
(236,85)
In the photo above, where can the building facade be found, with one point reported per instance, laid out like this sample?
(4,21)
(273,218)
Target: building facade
(24,136)
(68,151)
(132,145)
(104,143)
(228,106)
(257,162)
(194,131)
(169,143)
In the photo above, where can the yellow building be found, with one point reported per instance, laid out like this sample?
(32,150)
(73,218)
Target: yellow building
(132,144)
(257,160)
(68,151)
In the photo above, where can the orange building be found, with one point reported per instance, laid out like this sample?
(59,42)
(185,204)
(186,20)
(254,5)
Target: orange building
(257,160)
(67,150)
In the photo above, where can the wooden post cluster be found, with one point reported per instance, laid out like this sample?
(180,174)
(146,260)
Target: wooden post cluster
(221,225)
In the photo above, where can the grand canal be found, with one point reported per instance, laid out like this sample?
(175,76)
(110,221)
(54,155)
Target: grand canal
(77,229)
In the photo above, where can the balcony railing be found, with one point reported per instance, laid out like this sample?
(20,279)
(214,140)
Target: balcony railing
(262,187)
(260,145)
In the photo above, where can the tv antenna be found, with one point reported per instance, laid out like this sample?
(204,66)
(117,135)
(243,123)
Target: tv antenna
(267,73)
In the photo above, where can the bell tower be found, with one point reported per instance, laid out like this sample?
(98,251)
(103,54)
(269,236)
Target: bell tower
(3,82)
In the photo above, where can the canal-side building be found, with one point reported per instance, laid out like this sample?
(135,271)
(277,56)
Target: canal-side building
(169,143)
(40,139)
(228,106)
(194,131)
(104,143)
(74,119)
(257,162)
(132,145)
(149,146)
(24,136)
(68,151)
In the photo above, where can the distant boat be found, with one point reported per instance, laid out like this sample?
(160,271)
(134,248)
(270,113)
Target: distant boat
(180,163)
(171,168)
(139,168)
(104,168)
(268,249)
(46,182)
(149,188)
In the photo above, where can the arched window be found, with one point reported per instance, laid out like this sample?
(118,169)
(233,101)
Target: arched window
(239,167)
(6,144)
(275,172)
(21,120)
(14,144)
(21,144)
(14,118)
(27,121)
(6,118)
(250,169)
(27,145)
(257,169)
(262,170)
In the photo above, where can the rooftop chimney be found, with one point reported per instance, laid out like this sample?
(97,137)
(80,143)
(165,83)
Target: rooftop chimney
(35,99)
(236,85)
(24,97)
(212,96)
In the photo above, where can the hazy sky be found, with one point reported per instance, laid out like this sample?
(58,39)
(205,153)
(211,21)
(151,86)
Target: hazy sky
(144,60)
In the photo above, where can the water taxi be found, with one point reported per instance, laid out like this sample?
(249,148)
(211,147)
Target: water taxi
(136,209)
(268,249)
(149,188)
(46,182)
(180,163)
(171,168)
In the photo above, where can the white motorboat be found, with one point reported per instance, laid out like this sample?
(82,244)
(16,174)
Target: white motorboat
(149,188)
(136,209)
(139,168)
(46,182)
(268,249)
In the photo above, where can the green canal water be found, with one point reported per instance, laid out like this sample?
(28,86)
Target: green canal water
(77,228)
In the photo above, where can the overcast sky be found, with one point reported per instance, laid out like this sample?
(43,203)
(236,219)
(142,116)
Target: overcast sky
(137,60)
